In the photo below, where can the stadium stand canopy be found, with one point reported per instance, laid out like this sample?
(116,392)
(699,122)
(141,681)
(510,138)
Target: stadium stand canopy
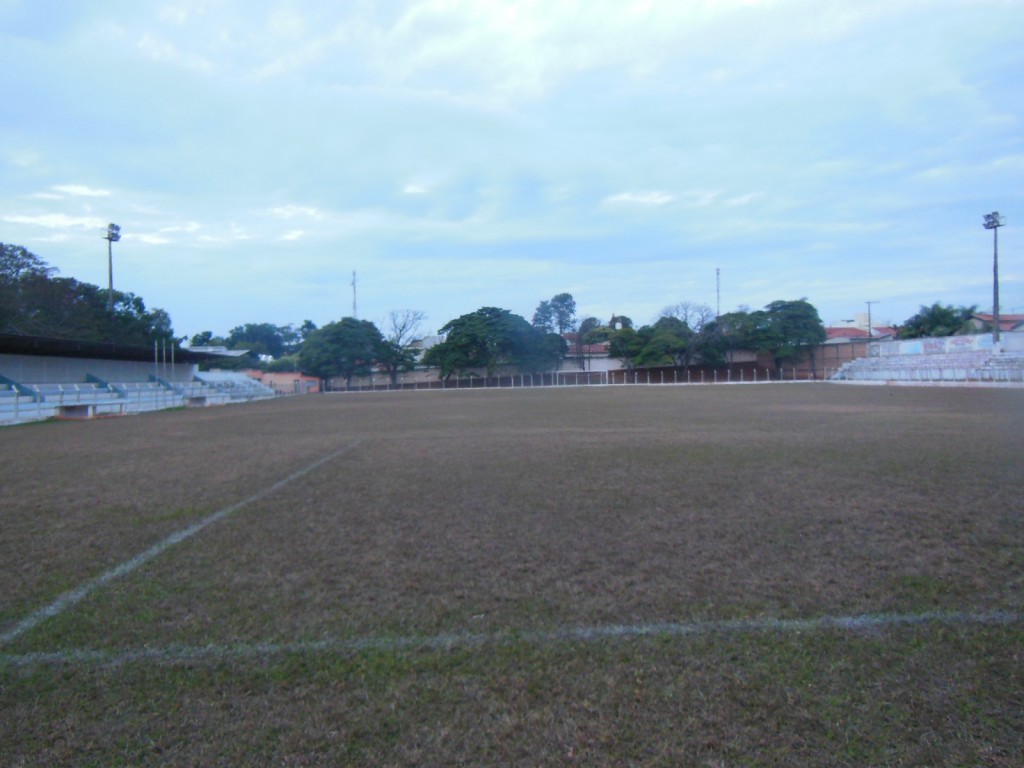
(14,344)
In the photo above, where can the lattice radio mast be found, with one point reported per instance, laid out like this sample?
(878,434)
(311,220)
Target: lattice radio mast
(718,292)
(354,311)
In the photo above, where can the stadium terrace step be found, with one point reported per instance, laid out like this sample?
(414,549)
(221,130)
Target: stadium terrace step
(968,366)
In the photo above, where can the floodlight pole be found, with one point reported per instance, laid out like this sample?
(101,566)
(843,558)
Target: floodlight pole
(994,221)
(112,235)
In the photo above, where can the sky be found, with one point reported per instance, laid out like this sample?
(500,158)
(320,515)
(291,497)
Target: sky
(456,154)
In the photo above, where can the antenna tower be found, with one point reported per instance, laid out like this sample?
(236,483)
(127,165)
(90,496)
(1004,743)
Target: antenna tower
(355,314)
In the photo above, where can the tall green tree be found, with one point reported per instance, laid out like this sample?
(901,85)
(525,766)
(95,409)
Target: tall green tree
(667,342)
(938,320)
(344,349)
(791,327)
(258,338)
(488,338)
(556,315)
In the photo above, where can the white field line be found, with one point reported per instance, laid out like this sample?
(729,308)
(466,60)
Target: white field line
(177,653)
(76,595)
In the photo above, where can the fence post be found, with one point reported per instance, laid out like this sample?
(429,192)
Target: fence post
(716,376)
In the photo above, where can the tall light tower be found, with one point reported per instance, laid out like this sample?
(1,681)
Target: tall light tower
(112,235)
(994,221)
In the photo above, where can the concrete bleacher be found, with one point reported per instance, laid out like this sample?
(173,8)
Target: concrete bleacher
(963,360)
(37,401)
(234,385)
(42,378)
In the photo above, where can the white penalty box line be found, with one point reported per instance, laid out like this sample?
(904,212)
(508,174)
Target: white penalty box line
(76,595)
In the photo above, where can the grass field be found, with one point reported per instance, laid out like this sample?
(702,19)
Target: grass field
(770,575)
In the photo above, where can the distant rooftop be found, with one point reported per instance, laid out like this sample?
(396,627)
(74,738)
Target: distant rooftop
(220,351)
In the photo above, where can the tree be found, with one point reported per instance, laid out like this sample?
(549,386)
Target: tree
(19,269)
(782,329)
(203,339)
(938,320)
(667,342)
(258,338)
(619,322)
(35,302)
(586,327)
(397,354)
(491,337)
(791,327)
(563,308)
(293,337)
(625,344)
(544,316)
(557,315)
(542,352)
(347,348)
(700,320)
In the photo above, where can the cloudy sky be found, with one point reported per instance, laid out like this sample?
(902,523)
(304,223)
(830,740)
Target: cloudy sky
(466,153)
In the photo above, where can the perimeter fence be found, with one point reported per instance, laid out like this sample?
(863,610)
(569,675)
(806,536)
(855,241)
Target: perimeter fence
(622,377)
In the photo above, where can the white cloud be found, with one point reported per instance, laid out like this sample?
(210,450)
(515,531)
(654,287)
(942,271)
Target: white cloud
(190,226)
(294,234)
(640,198)
(80,190)
(56,221)
(173,14)
(739,200)
(148,238)
(1009,162)
(166,52)
(291,211)
(231,234)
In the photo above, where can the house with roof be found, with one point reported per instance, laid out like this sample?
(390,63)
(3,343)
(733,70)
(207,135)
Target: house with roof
(1007,323)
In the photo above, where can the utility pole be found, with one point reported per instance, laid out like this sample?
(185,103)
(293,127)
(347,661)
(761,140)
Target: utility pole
(112,235)
(994,221)
(869,303)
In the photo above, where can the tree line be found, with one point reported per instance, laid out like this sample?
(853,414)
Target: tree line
(34,301)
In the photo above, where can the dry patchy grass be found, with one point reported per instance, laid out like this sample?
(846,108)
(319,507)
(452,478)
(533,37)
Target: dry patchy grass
(501,513)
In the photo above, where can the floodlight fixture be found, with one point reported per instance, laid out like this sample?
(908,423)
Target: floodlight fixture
(994,221)
(112,235)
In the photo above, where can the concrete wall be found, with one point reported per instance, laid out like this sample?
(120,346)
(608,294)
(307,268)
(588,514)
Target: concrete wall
(40,369)
(932,346)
